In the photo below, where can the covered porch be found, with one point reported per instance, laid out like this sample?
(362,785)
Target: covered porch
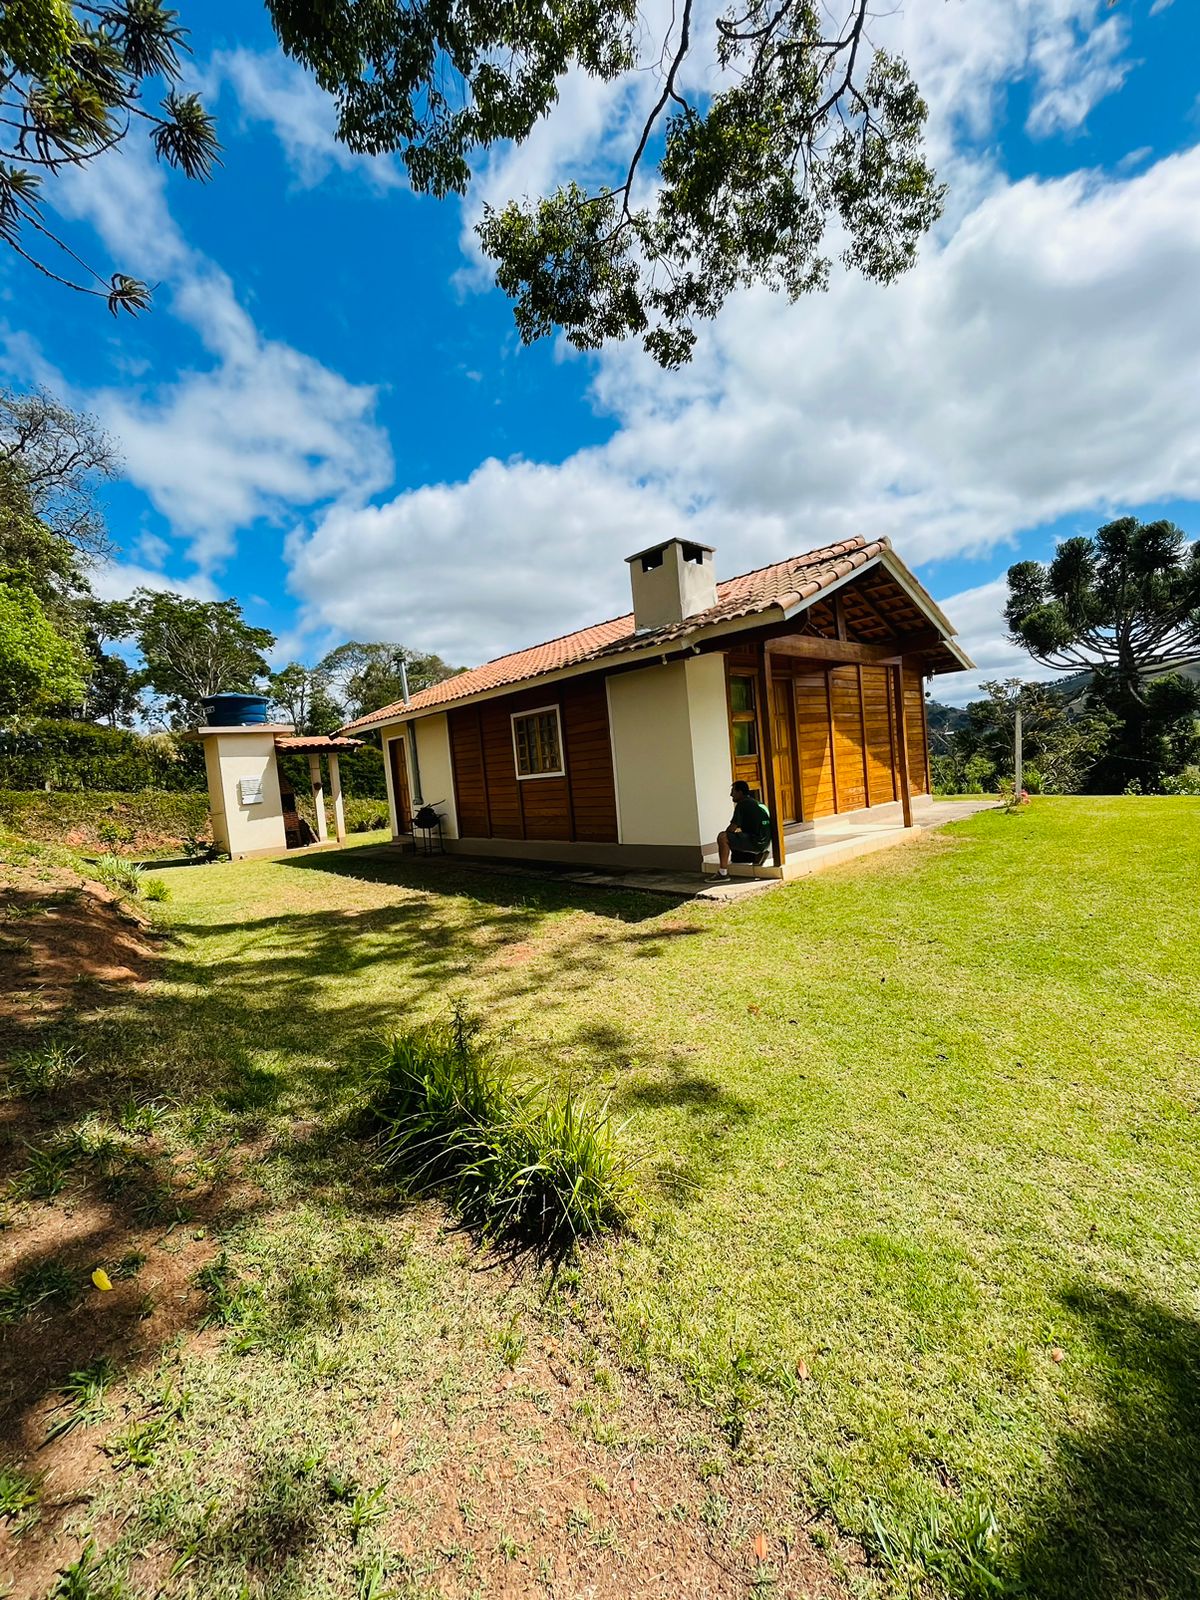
(827,723)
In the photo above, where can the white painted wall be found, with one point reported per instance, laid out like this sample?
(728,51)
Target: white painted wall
(437,773)
(432,735)
(708,717)
(229,757)
(652,755)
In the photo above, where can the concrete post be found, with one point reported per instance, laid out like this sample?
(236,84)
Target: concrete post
(318,793)
(335,790)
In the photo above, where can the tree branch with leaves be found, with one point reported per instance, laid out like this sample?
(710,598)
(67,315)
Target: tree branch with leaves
(810,128)
(72,87)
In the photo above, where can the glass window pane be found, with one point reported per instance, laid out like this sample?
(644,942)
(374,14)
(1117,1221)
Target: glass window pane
(745,739)
(551,756)
(741,694)
(538,749)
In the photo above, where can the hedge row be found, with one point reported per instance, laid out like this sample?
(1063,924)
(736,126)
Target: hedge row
(46,753)
(126,823)
(132,824)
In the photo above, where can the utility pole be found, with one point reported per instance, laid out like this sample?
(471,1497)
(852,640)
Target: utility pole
(1018,762)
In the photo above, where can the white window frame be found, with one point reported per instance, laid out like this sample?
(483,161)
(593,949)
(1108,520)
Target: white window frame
(538,711)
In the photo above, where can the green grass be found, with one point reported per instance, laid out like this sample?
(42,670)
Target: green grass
(918,1223)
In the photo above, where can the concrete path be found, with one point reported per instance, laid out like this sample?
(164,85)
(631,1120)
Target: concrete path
(808,851)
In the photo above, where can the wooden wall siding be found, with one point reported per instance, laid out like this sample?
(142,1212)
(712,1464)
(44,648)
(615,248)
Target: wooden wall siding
(590,762)
(918,744)
(494,804)
(848,738)
(814,746)
(470,789)
(877,721)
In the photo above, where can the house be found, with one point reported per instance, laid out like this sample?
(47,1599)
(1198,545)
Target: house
(615,746)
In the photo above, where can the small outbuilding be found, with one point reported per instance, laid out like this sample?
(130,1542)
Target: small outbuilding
(251,800)
(615,746)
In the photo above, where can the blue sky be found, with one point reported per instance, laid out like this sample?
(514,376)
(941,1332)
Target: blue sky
(328,413)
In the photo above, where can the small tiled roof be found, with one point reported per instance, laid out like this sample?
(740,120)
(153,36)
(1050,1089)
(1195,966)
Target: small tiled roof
(783,584)
(315,744)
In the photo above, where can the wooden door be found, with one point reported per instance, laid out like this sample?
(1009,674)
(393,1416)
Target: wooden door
(787,788)
(400,785)
(814,745)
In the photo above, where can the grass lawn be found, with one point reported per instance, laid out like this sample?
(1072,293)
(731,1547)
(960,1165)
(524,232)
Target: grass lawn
(917,1239)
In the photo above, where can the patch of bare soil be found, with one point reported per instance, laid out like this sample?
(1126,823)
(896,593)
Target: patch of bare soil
(525,1500)
(57,932)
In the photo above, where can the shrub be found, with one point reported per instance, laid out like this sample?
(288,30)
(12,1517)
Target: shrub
(106,820)
(1185,782)
(516,1160)
(79,755)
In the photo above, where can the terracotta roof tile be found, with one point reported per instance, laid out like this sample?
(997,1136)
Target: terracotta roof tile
(783,584)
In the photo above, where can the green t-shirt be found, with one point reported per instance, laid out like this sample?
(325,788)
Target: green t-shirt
(754,821)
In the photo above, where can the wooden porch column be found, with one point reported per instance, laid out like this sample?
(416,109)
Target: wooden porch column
(335,790)
(767,735)
(896,674)
(318,794)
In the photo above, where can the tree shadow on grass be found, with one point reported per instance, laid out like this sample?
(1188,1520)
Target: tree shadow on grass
(1122,1518)
(535,888)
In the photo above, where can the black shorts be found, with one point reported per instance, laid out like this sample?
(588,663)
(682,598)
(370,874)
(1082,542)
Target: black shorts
(747,858)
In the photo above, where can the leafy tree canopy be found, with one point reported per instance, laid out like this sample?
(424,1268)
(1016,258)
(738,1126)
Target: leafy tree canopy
(368,675)
(304,695)
(768,124)
(1061,742)
(73,78)
(38,666)
(805,126)
(193,648)
(1126,605)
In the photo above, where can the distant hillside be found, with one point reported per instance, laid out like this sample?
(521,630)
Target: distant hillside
(945,719)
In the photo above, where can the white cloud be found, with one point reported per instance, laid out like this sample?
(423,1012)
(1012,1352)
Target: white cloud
(1041,360)
(1075,70)
(274,90)
(979,615)
(517,553)
(265,430)
(116,580)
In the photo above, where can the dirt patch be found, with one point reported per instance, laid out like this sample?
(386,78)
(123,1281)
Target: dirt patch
(60,933)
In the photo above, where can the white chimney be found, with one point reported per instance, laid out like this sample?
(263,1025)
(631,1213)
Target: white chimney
(671,582)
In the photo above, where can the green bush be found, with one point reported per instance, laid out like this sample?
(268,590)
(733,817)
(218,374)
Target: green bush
(516,1160)
(126,824)
(1185,782)
(79,755)
(364,815)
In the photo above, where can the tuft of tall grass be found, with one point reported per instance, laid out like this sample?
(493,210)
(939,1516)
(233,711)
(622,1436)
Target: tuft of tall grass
(121,876)
(517,1159)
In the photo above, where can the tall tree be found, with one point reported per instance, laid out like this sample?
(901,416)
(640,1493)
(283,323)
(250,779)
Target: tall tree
(72,77)
(193,648)
(767,125)
(304,695)
(1126,605)
(368,677)
(39,667)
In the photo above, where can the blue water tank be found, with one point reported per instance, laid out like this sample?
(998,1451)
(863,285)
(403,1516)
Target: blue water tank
(235,710)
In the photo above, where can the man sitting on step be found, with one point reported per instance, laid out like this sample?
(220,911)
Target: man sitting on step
(748,837)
